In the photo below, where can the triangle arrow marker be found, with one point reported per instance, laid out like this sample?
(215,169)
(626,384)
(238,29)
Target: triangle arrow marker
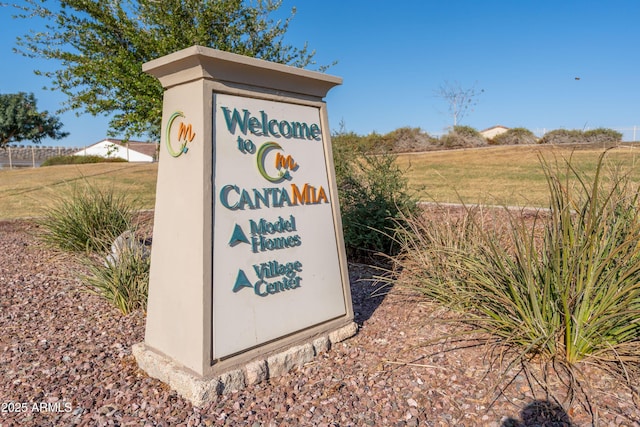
(238,236)
(242,282)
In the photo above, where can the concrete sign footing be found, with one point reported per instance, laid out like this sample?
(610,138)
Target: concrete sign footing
(200,390)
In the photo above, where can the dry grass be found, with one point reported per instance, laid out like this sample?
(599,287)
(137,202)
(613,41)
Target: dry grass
(510,176)
(494,175)
(25,192)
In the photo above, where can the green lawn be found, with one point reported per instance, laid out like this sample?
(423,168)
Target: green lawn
(494,175)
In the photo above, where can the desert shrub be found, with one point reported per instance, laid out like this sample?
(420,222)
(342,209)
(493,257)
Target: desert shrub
(407,139)
(79,160)
(401,140)
(565,289)
(515,136)
(373,196)
(374,143)
(563,136)
(350,140)
(84,219)
(602,135)
(122,280)
(462,137)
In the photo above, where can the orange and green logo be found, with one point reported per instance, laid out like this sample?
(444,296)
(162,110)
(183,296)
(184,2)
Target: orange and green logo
(283,164)
(185,135)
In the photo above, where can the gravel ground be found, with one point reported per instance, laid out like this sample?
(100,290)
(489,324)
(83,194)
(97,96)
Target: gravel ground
(65,360)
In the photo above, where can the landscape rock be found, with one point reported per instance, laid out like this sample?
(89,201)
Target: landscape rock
(411,380)
(127,244)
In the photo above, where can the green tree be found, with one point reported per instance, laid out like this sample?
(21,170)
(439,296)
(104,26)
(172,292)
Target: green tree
(102,44)
(20,120)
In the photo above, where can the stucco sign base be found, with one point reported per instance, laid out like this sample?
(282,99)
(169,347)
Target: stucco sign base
(201,390)
(249,276)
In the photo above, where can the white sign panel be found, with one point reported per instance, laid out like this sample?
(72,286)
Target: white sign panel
(276,266)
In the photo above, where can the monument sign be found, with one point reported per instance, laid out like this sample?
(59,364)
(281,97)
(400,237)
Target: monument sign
(248,264)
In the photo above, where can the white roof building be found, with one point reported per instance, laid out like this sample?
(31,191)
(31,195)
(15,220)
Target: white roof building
(132,151)
(493,131)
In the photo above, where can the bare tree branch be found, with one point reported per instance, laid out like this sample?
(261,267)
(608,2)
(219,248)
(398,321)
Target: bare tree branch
(461,100)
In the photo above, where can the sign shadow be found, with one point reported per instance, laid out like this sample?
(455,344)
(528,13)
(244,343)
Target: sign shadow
(540,413)
(367,293)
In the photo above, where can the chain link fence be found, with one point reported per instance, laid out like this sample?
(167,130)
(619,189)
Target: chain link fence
(30,156)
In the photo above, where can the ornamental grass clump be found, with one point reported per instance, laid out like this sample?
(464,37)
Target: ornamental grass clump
(98,225)
(561,285)
(123,277)
(84,220)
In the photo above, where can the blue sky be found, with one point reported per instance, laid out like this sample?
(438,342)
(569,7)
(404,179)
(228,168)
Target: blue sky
(393,56)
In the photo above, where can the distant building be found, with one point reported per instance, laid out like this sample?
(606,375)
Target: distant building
(132,151)
(493,131)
